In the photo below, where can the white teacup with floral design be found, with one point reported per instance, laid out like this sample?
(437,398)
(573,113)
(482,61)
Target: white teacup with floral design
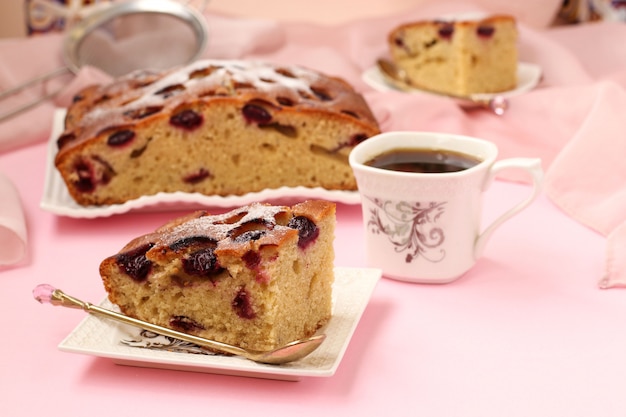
(425,227)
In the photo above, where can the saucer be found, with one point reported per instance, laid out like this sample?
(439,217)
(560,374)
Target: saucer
(528,76)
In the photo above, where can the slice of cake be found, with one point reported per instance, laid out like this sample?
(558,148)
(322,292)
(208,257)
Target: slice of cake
(258,277)
(213,127)
(458,57)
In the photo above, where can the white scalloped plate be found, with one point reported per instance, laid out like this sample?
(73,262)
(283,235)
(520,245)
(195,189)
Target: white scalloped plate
(56,199)
(351,293)
(528,76)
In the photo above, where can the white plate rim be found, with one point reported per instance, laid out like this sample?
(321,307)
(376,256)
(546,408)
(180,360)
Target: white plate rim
(352,290)
(528,76)
(57,200)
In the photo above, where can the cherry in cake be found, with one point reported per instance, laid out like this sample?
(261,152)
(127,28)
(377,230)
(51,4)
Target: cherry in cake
(258,276)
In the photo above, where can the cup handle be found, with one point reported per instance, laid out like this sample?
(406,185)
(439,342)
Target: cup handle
(533,167)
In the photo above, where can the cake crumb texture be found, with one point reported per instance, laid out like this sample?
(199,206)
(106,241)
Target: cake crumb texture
(258,277)
(215,127)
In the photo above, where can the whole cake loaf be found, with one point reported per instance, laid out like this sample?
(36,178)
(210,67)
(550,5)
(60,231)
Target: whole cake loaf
(258,277)
(213,127)
(458,57)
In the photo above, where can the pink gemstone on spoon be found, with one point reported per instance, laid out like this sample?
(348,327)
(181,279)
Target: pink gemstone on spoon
(43,293)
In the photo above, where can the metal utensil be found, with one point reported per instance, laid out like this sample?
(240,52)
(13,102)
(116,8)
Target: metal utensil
(123,37)
(290,352)
(398,78)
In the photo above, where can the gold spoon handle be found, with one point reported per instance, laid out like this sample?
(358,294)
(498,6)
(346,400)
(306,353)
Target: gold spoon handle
(59,298)
(290,352)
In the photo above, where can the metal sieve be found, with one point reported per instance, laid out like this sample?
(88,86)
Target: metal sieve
(126,36)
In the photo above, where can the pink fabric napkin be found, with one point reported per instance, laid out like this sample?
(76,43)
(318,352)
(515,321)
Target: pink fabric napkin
(573,120)
(588,177)
(13,236)
(616,261)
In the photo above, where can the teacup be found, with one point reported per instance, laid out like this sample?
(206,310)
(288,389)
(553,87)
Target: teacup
(422,219)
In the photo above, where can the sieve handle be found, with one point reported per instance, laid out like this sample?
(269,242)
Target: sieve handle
(52,74)
(37,80)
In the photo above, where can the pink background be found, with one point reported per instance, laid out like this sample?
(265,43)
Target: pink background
(527,332)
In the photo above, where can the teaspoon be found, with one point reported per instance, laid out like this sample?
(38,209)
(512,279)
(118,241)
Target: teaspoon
(399,79)
(290,352)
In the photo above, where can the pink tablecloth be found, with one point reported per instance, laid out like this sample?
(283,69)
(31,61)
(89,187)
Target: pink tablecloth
(527,332)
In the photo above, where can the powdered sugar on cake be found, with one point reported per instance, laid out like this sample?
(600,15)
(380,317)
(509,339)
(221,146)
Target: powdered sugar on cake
(220,226)
(222,73)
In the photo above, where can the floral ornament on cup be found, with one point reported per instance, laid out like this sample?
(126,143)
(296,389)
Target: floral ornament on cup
(410,227)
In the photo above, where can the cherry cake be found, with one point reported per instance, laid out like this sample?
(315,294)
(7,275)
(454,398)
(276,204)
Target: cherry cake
(216,127)
(258,276)
(459,57)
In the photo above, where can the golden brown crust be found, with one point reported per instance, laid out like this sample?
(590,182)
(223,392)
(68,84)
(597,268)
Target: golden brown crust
(224,228)
(461,22)
(317,209)
(135,100)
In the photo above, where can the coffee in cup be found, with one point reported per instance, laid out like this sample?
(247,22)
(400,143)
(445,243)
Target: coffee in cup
(423,160)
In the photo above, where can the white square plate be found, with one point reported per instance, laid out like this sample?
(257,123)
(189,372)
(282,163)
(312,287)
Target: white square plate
(109,339)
